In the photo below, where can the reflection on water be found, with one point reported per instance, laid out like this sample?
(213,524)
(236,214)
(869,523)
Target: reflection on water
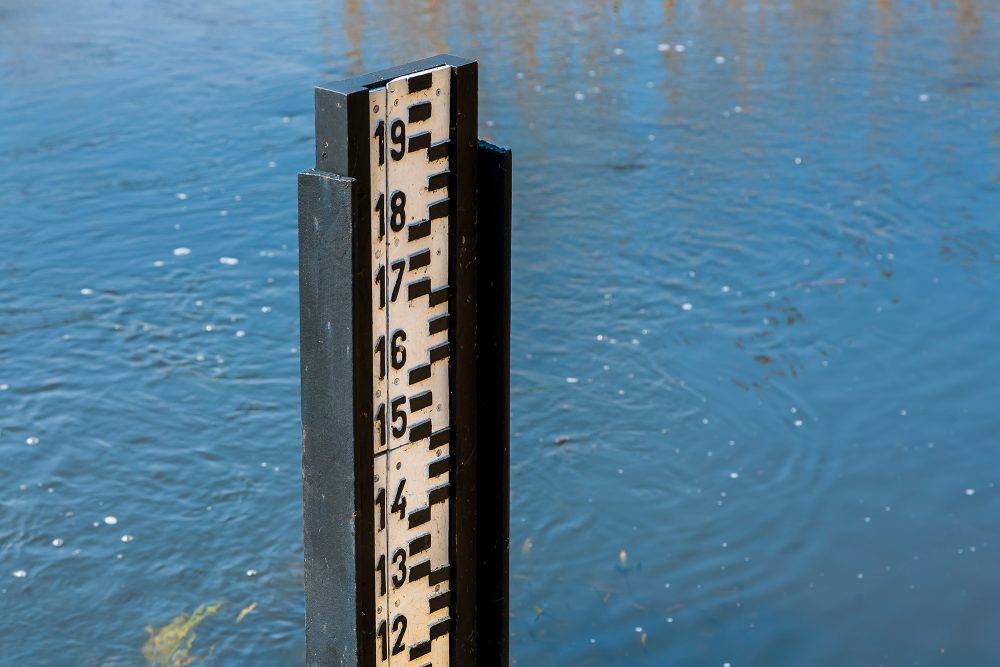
(755,285)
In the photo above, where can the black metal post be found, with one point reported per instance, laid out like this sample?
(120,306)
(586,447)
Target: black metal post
(336,285)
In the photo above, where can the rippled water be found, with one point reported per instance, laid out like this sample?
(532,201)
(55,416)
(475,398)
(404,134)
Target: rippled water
(756,302)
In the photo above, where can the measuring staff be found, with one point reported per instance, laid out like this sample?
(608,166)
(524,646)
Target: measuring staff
(404,250)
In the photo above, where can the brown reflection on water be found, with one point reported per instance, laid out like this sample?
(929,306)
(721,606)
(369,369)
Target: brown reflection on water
(353,24)
(968,15)
(769,47)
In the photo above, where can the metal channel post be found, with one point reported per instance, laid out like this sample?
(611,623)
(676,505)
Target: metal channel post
(404,261)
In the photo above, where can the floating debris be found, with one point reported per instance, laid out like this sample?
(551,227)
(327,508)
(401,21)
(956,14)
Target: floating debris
(171,645)
(229,261)
(20,574)
(58,542)
(127,538)
(251,573)
(623,558)
(111,520)
(31,441)
(181,252)
(561,439)
(527,546)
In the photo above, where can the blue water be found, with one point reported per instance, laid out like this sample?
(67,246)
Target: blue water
(756,306)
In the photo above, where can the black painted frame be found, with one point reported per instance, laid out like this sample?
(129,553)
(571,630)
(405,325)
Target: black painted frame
(337,452)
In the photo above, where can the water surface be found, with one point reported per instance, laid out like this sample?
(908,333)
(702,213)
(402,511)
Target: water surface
(756,301)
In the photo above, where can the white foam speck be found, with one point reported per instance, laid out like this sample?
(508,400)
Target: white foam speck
(738,109)
(924,97)
(860,576)
(686,306)
(229,261)
(209,327)
(578,96)
(638,628)
(272,164)
(265,309)
(720,60)
(181,252)
(679,48)
(619,51)
(734,475)
(110,520)
(31,441)
(286,119)
(572,380)
(970,492)
(725,289)
(86,291)
(158,263)
(798,160)
(20,574)
(798,422)
(4,387)
(663,47)
(241,333)
(182,196)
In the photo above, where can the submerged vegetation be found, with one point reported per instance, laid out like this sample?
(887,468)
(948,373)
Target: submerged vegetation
(171,645)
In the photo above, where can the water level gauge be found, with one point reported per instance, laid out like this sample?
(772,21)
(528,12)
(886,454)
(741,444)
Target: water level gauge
(404,233)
